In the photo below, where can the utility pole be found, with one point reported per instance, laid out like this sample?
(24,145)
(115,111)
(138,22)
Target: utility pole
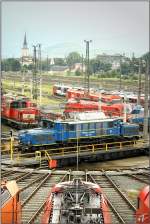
(47,64)
(146,111)
(82,70)
(133,60)
(31,87)
(139,83)
(40,69)
(82,63)
(87,74)
(120,74)
(34,75)
(22,74)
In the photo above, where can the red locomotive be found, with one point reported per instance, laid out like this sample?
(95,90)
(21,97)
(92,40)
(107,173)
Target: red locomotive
(143,210)
(81,94)
(76,201)
(10,203)
(19,112)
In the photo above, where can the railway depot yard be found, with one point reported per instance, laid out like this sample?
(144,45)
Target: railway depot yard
(121,188)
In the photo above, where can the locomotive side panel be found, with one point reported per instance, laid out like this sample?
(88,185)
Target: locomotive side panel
(10,203)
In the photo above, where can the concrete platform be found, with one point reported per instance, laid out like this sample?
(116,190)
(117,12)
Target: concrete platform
(70,159)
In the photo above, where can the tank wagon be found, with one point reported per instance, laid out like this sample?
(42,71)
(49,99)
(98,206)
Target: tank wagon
(86,127)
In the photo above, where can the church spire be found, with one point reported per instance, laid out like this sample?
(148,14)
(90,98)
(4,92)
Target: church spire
(25,41)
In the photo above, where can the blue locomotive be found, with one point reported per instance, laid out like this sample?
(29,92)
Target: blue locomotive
(60,132)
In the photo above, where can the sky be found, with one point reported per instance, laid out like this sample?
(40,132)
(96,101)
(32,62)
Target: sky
(61,27)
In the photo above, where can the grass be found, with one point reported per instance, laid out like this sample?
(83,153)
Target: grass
(9,85)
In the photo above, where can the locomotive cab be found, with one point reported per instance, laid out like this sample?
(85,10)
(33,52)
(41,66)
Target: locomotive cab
(10,203)
(143,210)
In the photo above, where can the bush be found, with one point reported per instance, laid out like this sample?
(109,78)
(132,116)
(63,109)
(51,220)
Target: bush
(134,77)
(78,73)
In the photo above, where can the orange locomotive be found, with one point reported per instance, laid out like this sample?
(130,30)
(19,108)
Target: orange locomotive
(143,210)
(10,203)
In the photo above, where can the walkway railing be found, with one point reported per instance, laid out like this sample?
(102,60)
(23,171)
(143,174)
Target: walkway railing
(48,154)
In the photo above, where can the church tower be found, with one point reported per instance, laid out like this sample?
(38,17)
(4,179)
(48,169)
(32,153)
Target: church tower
(25,49)
(25,59)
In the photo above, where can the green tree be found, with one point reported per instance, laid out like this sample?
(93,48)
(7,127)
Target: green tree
(126,68)
(146,56)
(97,66)
(78,73)
(11,64)
(30,66)
(72,58)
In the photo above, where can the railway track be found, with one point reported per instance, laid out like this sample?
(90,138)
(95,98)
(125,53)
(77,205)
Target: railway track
(35,186)
(122,207)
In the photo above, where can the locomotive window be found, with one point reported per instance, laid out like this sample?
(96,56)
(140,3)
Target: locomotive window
(14,105)
(65,90)
(110,124)
(5,195)
(71,127)
(65,127)
(99,126)
(92,126)
(47,124)
(23,105)
(85,127)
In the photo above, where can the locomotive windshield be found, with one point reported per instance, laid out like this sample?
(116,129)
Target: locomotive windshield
(47,124)
(18,104)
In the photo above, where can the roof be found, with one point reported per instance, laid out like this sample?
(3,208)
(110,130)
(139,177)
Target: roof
(58,68)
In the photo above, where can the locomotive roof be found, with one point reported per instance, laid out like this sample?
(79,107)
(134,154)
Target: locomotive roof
(69,121)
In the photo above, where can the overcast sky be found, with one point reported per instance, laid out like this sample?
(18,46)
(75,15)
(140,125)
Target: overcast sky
(62,27)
